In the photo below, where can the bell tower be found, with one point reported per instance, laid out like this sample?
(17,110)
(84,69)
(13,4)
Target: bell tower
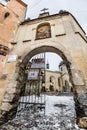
(47,65)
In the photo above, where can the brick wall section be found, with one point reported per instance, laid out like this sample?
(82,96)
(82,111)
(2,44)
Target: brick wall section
(9,24)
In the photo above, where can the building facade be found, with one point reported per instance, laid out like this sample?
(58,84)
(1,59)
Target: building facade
(52,82)
(38,76)
(12,12)
(66,84)
(59,33)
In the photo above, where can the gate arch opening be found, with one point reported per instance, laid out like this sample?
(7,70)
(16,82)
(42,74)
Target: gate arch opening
(66,58)
(71,66)
(20,71)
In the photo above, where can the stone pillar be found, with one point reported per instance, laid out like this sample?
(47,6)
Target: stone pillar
(15,82)
(80,93)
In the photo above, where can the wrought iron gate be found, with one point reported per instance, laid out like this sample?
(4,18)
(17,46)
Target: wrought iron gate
(34,96)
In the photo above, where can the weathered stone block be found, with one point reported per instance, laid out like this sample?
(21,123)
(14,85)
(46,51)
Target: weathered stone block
(11,98)
(3,84)
(83,122)
(12,85)
(8,97)
(78,78)
(5,106)
(11,89)
(12,77)
(10,68)
(3,77)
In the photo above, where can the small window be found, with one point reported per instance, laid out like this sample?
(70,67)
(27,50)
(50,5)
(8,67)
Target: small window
(3,53)
(59,82)
(6,15)
(51,87)
(50,79)
(61,69)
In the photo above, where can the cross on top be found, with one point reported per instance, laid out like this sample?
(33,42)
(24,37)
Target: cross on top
(44,9)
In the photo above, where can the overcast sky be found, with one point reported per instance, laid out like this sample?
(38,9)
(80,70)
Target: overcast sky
(77,7)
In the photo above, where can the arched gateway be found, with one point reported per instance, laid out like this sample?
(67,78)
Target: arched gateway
(59,33)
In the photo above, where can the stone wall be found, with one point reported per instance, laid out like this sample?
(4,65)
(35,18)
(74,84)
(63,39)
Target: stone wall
(67,40)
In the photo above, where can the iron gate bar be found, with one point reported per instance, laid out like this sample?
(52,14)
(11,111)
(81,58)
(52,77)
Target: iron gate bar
(32,103)
(35,96)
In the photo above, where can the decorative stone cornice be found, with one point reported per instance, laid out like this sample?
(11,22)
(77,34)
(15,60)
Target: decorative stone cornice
(50,17)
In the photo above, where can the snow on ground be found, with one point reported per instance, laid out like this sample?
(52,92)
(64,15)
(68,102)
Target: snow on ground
(59,115)
(59,104)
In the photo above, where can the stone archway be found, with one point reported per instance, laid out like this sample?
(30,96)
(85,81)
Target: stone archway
(16,80)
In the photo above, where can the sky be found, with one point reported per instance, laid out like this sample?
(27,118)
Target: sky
(50,58)
(77,7)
